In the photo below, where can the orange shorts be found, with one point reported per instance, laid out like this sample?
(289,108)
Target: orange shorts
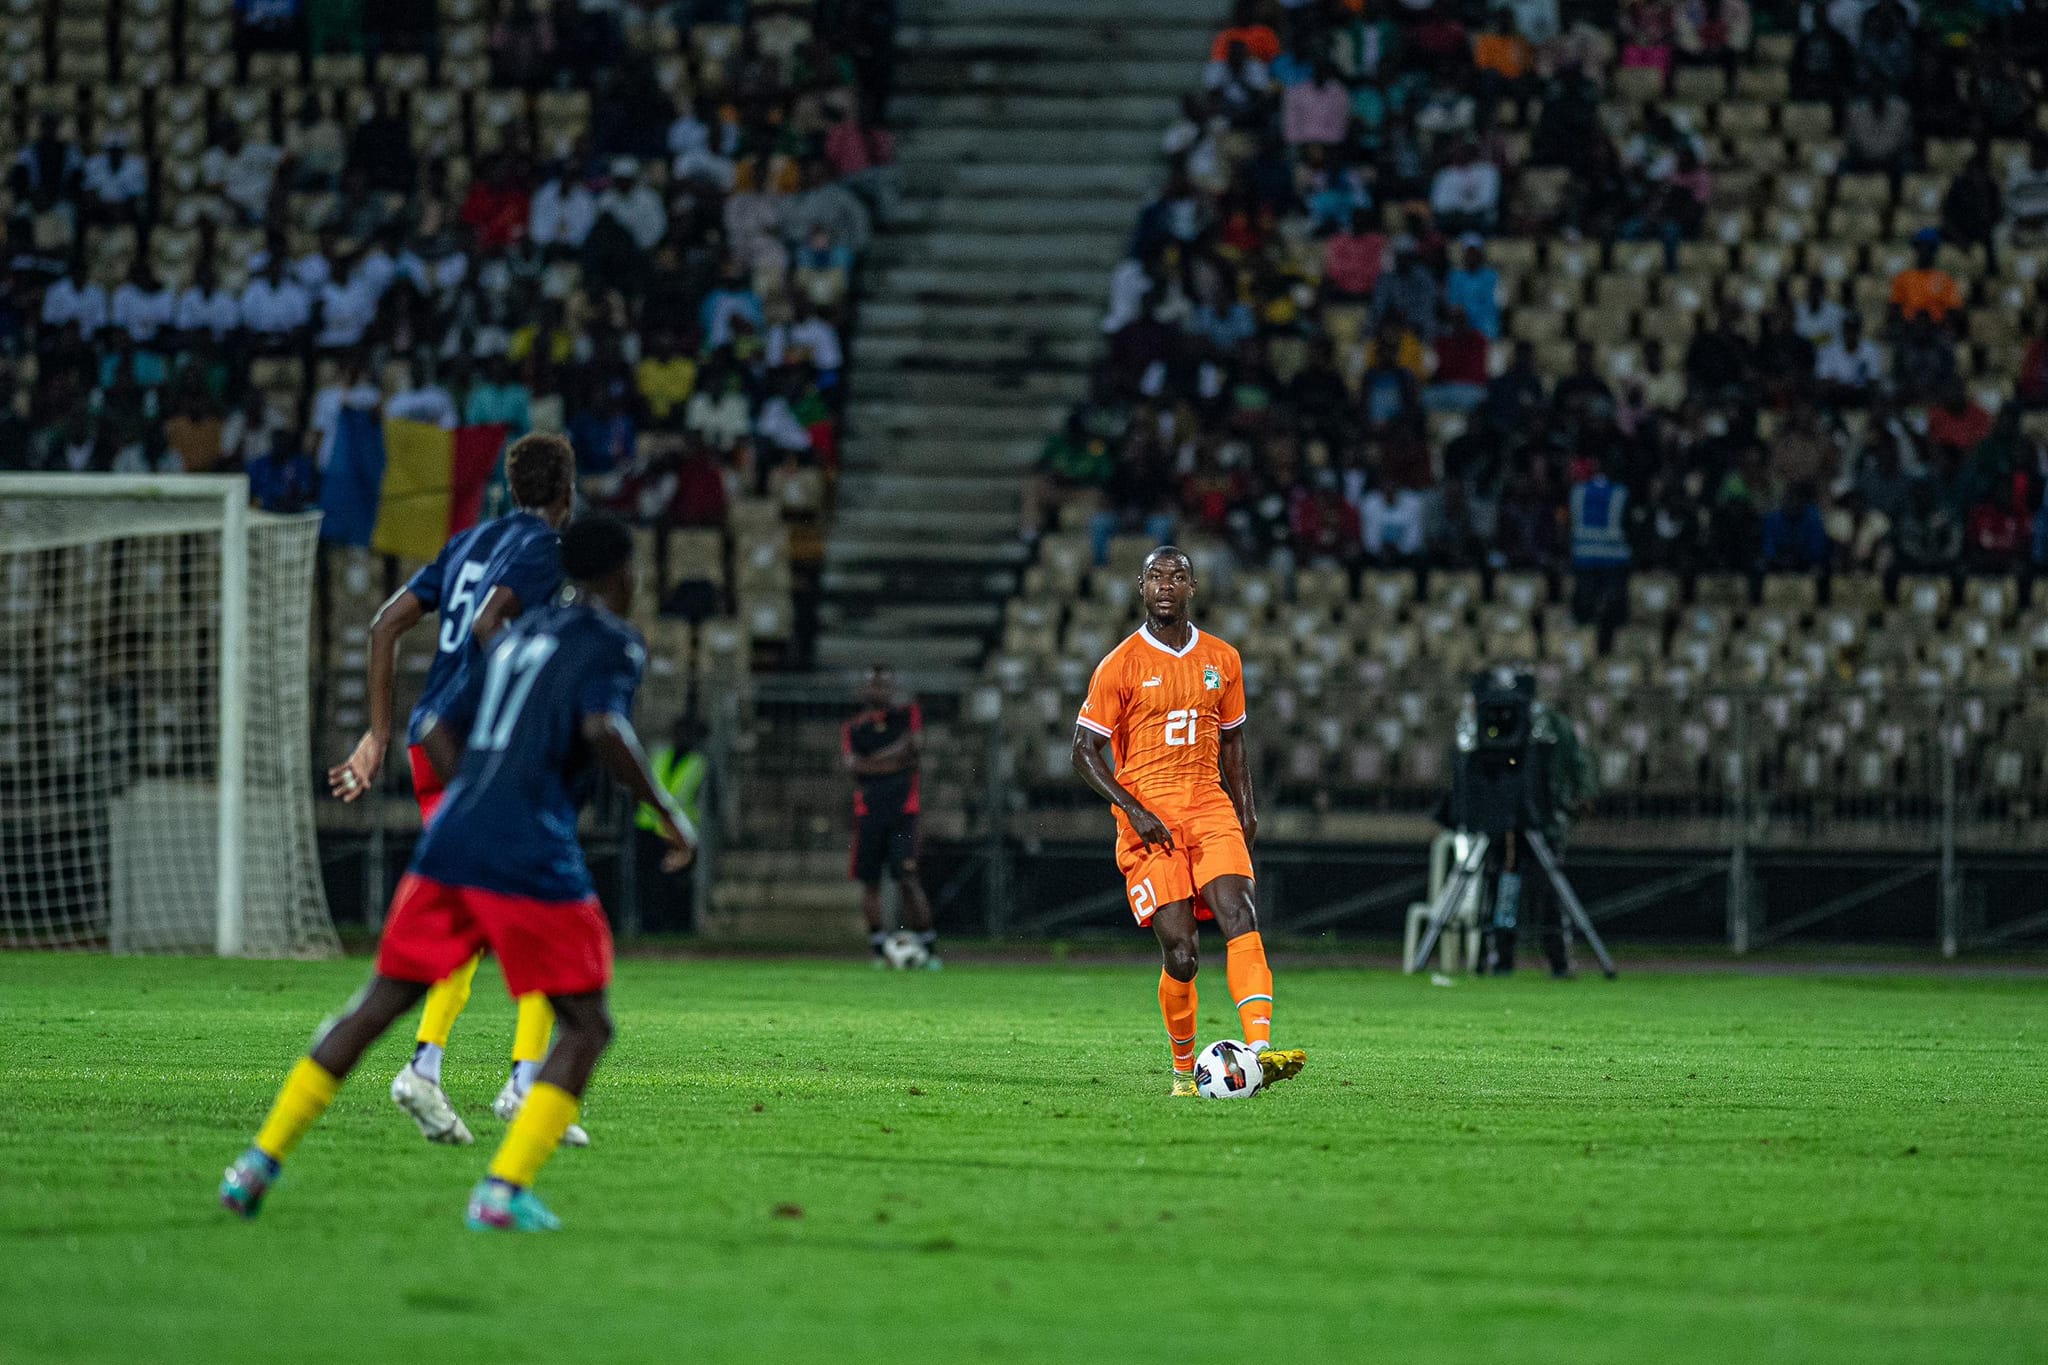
(1207,843)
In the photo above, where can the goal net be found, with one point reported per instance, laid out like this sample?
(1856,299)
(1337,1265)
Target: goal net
(156,786)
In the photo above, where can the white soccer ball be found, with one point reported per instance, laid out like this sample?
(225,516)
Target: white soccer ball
(904,951)
(1228,1070)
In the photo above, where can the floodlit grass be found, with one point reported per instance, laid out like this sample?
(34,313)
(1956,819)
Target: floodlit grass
(808,1161)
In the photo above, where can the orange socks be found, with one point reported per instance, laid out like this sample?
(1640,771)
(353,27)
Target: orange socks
(1177,1006)
(1251,986)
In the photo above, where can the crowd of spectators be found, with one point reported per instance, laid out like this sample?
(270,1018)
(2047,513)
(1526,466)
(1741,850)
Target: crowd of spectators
(1307,354)
(658,264)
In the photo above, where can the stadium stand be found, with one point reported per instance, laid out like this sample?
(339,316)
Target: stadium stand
(634,223)
(1667,347)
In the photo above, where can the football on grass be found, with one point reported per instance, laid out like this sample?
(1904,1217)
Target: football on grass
(1227,1070)
(904,951)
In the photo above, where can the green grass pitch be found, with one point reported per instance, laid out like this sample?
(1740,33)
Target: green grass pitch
(812,1161)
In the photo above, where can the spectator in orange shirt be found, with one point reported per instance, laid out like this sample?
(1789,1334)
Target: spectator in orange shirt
(1503,59)
(1246,27)
(1926,290)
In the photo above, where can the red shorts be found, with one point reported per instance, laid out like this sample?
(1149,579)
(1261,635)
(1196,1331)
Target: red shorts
(426,783)
(553,947)
(1207,843)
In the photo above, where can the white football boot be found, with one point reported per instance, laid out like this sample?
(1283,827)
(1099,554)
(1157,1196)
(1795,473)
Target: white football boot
(426,1106)
(506,1107)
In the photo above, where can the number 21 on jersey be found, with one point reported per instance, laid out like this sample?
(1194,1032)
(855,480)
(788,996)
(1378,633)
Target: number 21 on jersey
(1144,900)
(1180,727)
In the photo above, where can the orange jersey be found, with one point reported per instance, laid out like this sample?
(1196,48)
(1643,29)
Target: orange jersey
(1164,713)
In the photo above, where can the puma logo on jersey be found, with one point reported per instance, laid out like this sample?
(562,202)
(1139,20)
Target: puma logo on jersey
(1150,682)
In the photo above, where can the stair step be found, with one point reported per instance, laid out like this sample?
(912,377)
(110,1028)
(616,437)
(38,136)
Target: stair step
(957,145)
(1093,248)
(1208,12)
(869,418)
(936,351)
(1010,119)
(1007,181)
(781,865)
(945,526)
(1016,389)
(913,618)
(962,317)
(904,652)
(937,452)
(1012,218)
(995,492)
(921,549)
(964,74)
(929,279)
(1152,35)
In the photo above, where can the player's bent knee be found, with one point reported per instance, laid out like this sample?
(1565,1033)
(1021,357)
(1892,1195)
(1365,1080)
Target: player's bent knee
(1181,960)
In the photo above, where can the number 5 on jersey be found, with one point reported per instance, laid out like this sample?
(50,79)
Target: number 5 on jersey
(1180,727)
(460,611)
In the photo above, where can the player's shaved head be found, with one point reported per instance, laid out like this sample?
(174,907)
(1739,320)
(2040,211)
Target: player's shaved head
(1167,585)
(1168,552)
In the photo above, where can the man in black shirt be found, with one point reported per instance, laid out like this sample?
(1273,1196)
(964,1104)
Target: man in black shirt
(880,747)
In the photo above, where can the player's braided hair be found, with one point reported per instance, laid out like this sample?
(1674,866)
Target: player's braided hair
(595,546)
(541,468)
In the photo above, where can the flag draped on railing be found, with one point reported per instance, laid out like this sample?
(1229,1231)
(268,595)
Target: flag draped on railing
(405,487)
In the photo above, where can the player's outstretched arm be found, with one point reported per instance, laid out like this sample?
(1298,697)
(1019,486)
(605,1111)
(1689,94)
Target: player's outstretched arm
(352,779)
(1237,781)
(617,747)
(1095,771)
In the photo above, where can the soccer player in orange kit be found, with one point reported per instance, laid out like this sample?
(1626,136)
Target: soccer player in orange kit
(1169,703)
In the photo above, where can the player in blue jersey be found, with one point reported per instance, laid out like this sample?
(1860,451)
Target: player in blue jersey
(481,580)
(500,867)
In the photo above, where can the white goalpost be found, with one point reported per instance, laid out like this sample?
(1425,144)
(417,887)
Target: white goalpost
(156,779)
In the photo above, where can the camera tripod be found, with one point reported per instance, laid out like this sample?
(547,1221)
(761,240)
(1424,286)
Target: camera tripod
(1471,868)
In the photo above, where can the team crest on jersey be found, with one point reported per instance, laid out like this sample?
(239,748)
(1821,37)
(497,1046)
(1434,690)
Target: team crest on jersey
(1212,678)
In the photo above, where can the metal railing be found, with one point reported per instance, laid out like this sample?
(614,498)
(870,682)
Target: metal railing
(1902,794)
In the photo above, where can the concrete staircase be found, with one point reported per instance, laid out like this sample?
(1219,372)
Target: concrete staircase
(1029,138)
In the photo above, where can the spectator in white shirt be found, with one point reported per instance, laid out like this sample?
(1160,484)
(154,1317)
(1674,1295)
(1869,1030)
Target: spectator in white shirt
(2026,198)
(807,331)
(1392,521)
(142,306)
(275,308)
(633,205)
(1816,316)
(351,389)
(205,307)
(1465,195)
(374,271)
(409,402)
(115,183)
(561,211)
(346,312)
(240,172)
(76,300)
(1850,368)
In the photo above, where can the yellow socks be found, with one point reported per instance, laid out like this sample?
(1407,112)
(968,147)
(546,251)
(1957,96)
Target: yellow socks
(536,1027)
(1251,986)
(307,1093)
(534,1135)
(445,1002)
(1177,1006)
